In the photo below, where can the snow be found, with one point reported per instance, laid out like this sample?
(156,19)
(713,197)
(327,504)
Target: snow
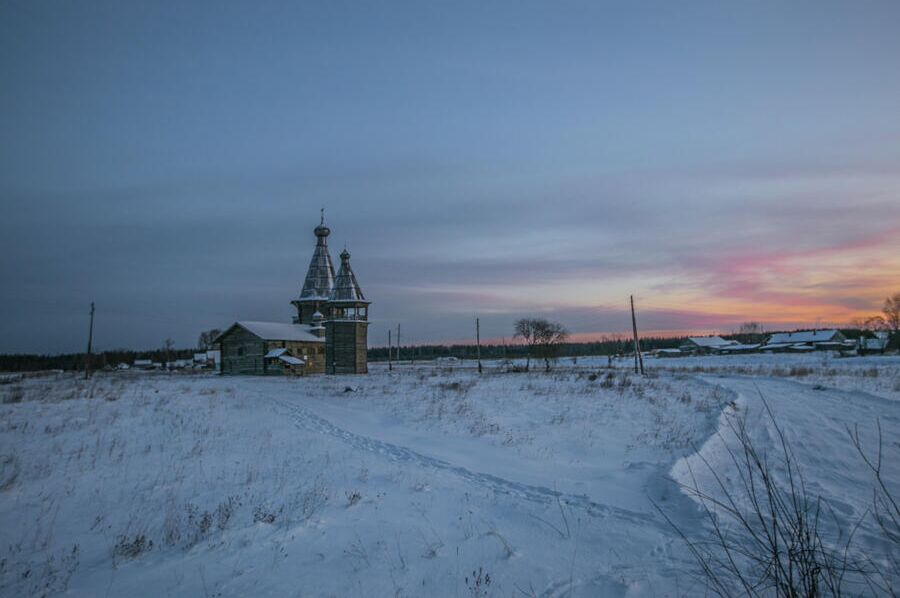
(276,331)
(710,341)
(804,336)
(400,482)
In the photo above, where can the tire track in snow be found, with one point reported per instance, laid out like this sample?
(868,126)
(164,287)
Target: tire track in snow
(307,419)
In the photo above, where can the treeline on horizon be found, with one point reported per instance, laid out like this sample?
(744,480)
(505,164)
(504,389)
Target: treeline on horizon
(75,361)
(621,345)
(608,346)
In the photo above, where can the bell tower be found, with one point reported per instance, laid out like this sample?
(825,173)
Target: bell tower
(347,324)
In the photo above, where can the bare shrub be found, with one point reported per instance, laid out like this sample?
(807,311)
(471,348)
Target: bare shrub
(479,583)
(608,380)
(9,471)
(127,548)
(199,523)
(264,514)
(800,371)
(885,508)
(765,538)
(353,498)
(14,395)
(225,511)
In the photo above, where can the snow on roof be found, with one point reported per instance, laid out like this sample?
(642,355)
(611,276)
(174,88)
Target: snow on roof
(710,341)
(775,346)
(290,359)
(320,276)
(739,347)
(346,288)
(801,347)
(669,351)
(276,331)
(276,353)
(803,336)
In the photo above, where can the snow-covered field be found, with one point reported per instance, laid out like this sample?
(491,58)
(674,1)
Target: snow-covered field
(426,480)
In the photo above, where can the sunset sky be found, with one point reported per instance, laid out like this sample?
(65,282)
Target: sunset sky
(722,161)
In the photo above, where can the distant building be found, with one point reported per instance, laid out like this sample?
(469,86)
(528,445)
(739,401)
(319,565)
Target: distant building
(329,333)
(805,340)
(670,353)
(705,344)
(879,344)
(739,348)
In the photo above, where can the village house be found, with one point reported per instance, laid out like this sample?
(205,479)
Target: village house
(806,340)
(329,333)
(699,345)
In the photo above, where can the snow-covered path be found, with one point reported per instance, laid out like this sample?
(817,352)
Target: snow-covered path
(305,418)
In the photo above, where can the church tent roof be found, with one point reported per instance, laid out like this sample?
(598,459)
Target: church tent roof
(346,288)
(319,280)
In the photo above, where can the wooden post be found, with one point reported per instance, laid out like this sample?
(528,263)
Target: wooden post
(390,365)
(478,342)
(398,345)
(637,347)
(87,356)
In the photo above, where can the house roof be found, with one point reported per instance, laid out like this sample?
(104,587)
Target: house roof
(276,353)
(803,336)
(291,360)
(739,347)
(319,280)
(710,341)
(772,346)
(276,331)
(345,286)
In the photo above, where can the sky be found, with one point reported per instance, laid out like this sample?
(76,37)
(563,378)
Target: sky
(720,161)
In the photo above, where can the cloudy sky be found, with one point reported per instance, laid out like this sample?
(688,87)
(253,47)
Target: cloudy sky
(722,161)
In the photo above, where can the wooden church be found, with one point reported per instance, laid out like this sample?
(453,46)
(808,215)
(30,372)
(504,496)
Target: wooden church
(328,335)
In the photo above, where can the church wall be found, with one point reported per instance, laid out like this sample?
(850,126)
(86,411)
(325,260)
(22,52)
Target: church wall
(242,352)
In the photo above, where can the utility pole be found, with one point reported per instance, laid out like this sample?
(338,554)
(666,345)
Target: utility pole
(637,347)
(87,356)
(390,366)
(398,345)
(478,342)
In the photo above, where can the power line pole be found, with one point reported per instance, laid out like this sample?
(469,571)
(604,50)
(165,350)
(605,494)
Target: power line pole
(478,342)
(398,345)
(390,350)
(87,356)
(637,347)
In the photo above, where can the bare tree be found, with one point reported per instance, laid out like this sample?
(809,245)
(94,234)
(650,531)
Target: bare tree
(206,338)
(543,338)
(750,328)
(891,312)
(751,332)
(524,329)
